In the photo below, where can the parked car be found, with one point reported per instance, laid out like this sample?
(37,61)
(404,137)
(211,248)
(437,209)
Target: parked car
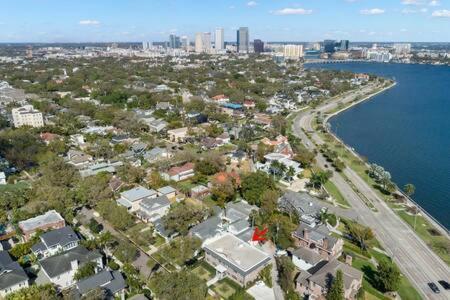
(434,287)
(444,284)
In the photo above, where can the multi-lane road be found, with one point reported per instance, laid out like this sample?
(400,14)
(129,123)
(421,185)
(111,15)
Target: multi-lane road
(414,257)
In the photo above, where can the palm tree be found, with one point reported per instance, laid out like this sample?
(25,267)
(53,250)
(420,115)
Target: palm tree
(409,189)
(320,178)
(290,173)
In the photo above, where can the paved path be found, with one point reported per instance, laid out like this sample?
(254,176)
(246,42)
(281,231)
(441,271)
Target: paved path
(416,260)
(278,293)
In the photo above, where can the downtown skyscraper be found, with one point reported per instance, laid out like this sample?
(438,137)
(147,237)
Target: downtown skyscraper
(203,42)
(243,41)
(219,42)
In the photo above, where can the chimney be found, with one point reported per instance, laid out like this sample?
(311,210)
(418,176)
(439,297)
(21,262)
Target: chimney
(306,234)
(74,264)
(348,259)
(325,243)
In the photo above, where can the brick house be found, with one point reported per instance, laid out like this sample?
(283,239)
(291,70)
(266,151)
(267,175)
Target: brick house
(49,220)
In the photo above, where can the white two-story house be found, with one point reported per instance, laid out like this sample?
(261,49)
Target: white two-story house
(61,268)
(132,198)
(12,276)
(153,209)
(55,241)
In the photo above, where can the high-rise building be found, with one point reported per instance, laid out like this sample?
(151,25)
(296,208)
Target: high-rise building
(202,42)
(402,48)
(146,45)
(219,42)
(258,46)
(243,42)
(185,43)
(199,42)
(174,41)
(315,46)
(329,46)
(293,51)
(344,45)
(207,41)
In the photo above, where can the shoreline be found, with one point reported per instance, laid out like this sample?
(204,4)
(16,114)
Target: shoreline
(411,202)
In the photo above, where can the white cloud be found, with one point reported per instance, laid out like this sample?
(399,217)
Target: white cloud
(292,11)
(421,2)
(372,11)
(443,13)
(403,30)
(89,22)
(252,3)
(413,2)
(434,3)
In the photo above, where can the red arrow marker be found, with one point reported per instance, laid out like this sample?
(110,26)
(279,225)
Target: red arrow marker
(259,236)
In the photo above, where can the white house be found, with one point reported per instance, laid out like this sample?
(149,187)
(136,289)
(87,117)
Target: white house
(153,209)
(179,134)
(55,241)
(281,158)
(132,198)
(157,125)
(12,276)
(60,269)
(179,173)
(167,191)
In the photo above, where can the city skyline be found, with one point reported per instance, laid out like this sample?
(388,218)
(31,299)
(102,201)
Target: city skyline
(357,20)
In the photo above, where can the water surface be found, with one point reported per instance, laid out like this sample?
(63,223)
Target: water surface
(406,129)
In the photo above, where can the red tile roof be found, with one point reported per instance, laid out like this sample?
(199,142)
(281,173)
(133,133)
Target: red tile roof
(177,170)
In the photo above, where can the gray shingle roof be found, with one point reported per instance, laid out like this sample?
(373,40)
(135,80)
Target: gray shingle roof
(322,276)
(207,228)
(307,255)
(303,203)
(316,234)
(11,273)
(62,236)
(61,263)
(111,281)
(150,204)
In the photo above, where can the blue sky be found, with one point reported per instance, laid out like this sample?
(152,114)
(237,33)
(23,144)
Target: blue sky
(270,20)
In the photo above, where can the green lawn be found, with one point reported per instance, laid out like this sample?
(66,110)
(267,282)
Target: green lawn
(13,187)
(336,194)
(224,289)
(369,277)
(407,291)
(439,243)
(203,273)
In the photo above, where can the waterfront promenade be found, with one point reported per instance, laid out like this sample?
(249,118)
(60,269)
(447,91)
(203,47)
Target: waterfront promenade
(416,260)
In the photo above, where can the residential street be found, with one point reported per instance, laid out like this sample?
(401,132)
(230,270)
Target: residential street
(416,260)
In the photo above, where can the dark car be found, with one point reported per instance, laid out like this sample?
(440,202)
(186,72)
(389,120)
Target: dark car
(444,284)
(434,287)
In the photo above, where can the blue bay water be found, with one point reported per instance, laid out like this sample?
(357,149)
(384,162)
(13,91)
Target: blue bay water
(406,129)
